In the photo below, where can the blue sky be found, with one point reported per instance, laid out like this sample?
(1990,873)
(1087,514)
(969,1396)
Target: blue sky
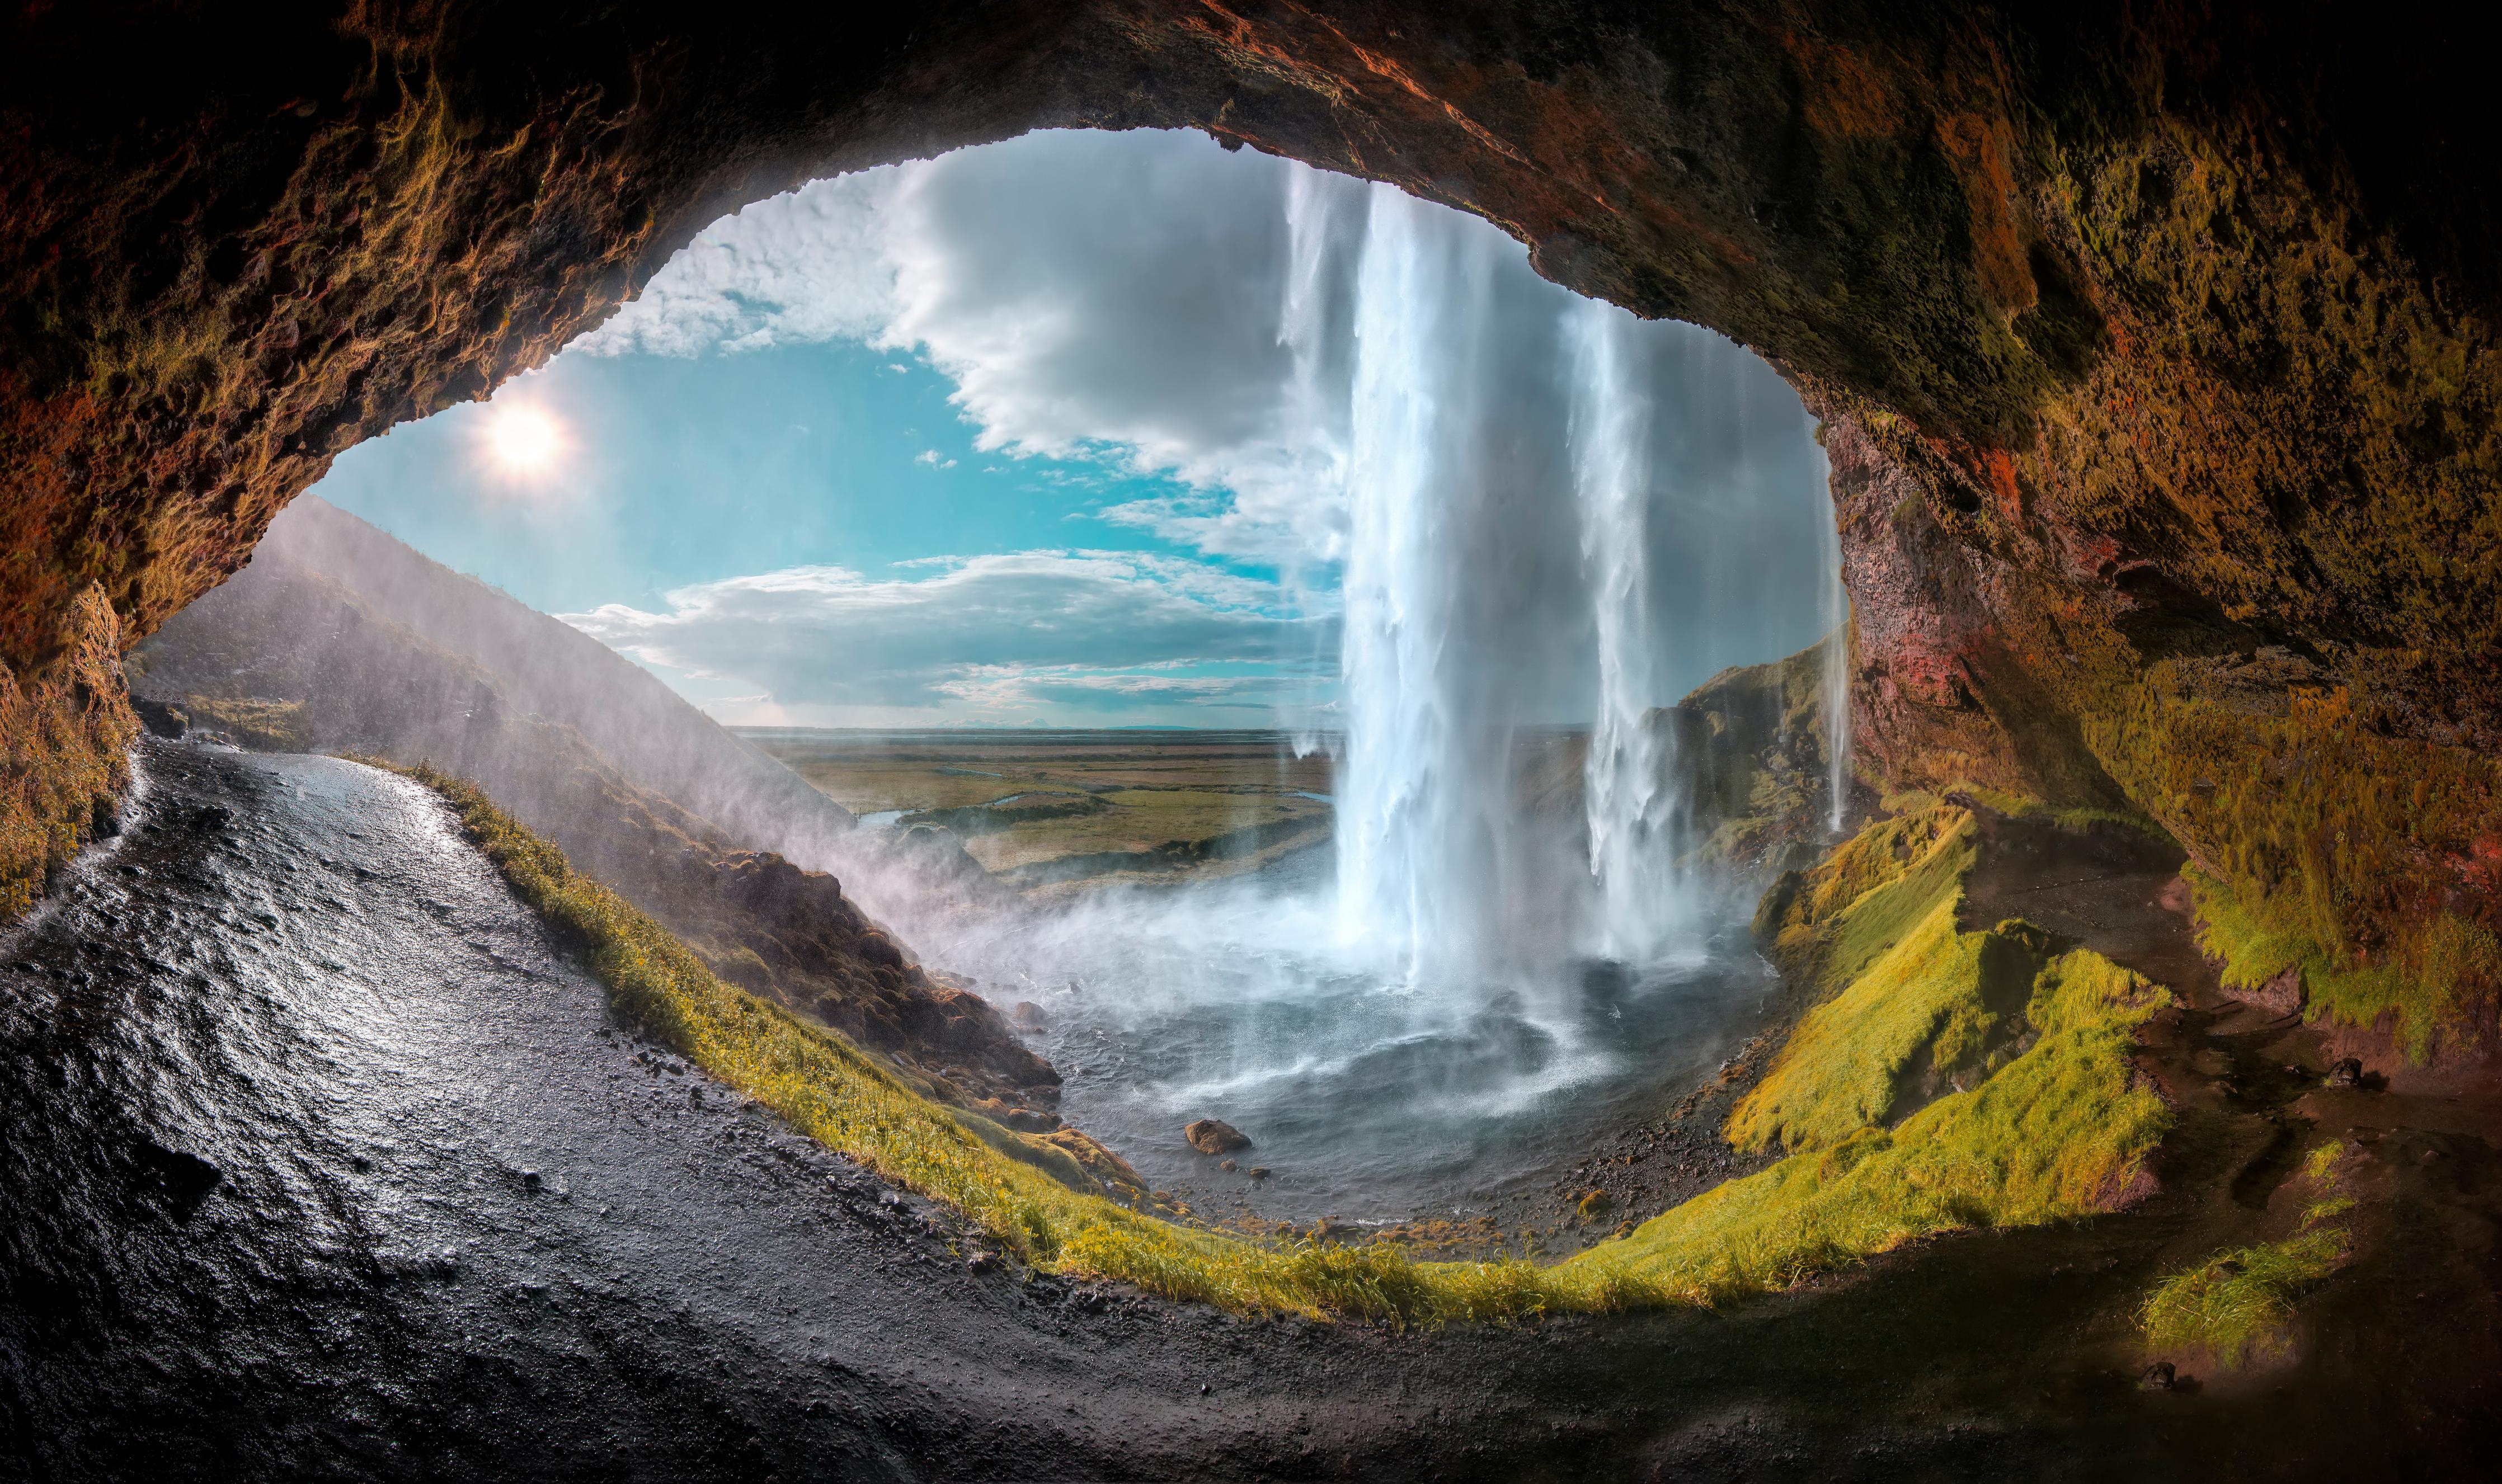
(1024,434)
(694,469)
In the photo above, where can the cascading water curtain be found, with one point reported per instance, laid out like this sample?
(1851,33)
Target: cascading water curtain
(1514,463)
(1629,802)
(1424,835)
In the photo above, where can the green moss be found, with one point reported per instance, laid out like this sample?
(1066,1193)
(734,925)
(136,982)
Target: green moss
(1915,997)
(2075,819)
(1872,928)
(2054,1129)
(1937,996)
(2370,862)
(2239,1303)
(2056,1133)
(1866,896)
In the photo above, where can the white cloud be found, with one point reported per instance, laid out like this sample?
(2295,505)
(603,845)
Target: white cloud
(807,265)
(1087,630)
(1147,302)
(1108,296)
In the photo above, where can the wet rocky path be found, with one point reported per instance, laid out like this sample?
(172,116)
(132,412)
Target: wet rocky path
(318,1159)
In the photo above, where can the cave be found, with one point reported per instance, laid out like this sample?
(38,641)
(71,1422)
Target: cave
(2153,349)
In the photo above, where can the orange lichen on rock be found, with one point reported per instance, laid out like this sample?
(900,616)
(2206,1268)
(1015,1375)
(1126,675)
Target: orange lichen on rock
(68,726)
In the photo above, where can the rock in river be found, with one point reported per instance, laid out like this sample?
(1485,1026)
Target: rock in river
(1212,1135)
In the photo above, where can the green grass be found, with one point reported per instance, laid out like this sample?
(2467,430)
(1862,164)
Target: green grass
(2324,843)
(2445,970)
(2238,1304)
(1840,1069)
(2076,820)
(1874,927)
(1863,897)
(2041,1139)
(2052,1136)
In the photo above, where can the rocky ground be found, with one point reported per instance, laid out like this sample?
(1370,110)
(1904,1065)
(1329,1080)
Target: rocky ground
(323,1159)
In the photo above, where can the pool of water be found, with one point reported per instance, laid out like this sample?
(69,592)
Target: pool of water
(1366,1096)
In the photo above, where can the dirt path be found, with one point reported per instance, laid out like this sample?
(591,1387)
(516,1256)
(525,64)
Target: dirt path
(321,1160)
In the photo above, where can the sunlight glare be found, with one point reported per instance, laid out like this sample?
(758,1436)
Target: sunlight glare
(524,440)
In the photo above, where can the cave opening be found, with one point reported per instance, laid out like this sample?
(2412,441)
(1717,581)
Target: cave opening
(1246,610)
(2134,1107)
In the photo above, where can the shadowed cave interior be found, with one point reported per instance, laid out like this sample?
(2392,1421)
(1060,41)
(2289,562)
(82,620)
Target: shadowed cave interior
(589,1093)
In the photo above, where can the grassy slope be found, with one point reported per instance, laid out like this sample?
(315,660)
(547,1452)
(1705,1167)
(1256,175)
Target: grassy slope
(2051,1136)
(2053,1133)
(2016,1150)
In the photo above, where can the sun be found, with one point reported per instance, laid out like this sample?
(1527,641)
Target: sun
(524,440)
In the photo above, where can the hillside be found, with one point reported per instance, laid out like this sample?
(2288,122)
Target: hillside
(292,659)
(648,730)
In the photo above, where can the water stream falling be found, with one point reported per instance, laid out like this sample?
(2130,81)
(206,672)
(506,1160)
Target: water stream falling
(1553,520)
(1433,861)
(1629,801)
(1496,559)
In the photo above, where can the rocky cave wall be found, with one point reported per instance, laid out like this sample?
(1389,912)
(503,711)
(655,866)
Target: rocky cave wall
(2155,340)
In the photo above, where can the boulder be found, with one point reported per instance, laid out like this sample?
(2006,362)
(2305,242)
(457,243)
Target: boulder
(2347,1072)
(1212,1135)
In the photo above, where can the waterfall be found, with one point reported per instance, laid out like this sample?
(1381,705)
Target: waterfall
(1473,585)
(1427,833)
(1526,477)
(1628,801)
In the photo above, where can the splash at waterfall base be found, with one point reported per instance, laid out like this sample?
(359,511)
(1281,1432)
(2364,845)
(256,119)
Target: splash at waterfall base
(1539,502)
(1380,1096)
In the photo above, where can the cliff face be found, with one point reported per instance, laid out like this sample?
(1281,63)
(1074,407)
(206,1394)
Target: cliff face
(66,728)
(1752,746)
(2158,339)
